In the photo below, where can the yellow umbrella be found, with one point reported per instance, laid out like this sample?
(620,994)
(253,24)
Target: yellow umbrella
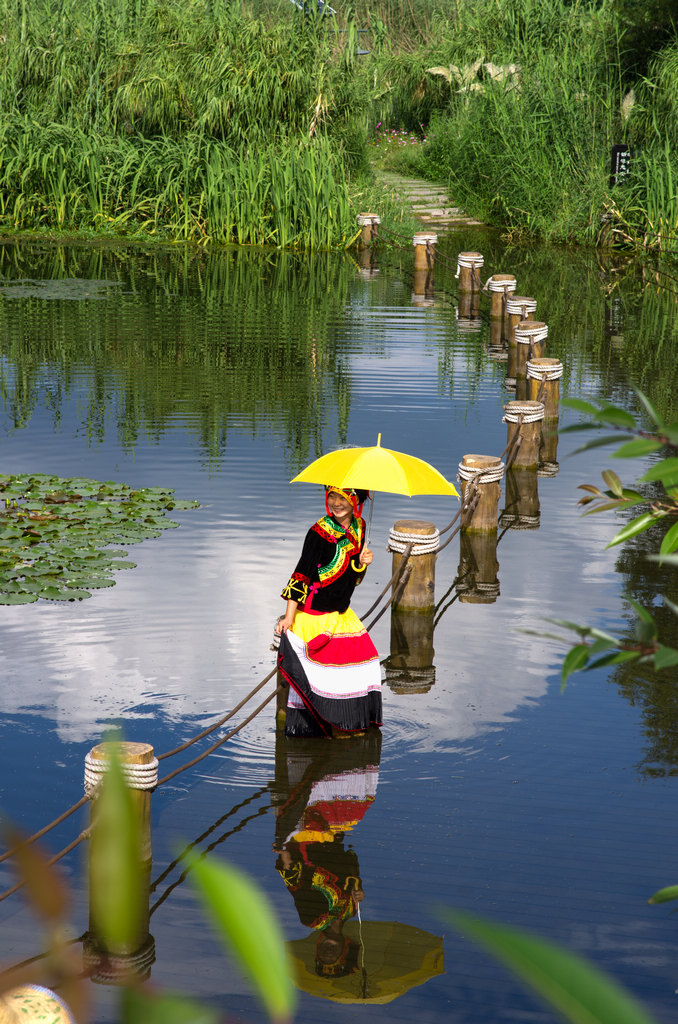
(376,469)
(393,958)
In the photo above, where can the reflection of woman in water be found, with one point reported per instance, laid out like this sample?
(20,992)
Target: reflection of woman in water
(325,798)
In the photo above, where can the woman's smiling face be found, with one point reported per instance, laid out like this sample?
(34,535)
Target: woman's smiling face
(340,507)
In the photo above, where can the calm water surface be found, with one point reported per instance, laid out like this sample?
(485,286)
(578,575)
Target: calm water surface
(221,376)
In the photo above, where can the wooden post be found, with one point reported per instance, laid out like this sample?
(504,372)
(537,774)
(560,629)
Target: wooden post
(543,377)
(502,287)
(369,223)
(477,575)
(480,476)
(521,511)
(529,334)
(423,250)
(468,265)
(140,769)
(518,308)
(418,594)
(468,318)
(523,419)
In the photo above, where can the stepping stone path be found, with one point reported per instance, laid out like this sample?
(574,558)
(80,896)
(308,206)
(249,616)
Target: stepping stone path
(430,203)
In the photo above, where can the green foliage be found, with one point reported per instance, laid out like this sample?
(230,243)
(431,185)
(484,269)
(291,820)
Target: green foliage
(183,123)
(571,985)
(247,923)
(595,648)
(55,533)
(116,892)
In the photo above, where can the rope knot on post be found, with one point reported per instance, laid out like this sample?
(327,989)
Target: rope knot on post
(136,776)
(520,305)
(481,475)
(523,412)
(422,544)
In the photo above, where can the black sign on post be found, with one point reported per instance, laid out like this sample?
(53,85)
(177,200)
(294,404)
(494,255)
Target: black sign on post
(620,163)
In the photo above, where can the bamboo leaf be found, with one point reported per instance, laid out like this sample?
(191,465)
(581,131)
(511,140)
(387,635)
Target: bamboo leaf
(115,863)
(581,406)
(649,408)
(575,659)
(143,1007)
(617,658)
(665,657)
(613,482)
(670,541)
(666,471)
(245,919)
(598,442)
(633,449)
(632,529)
(670,892)
(568,983)
(616,416)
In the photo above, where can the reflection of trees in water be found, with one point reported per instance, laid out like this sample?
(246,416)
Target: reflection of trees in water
(209,341)
(654,693)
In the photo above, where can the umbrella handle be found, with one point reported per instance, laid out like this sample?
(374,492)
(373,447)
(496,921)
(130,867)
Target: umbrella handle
(369,523)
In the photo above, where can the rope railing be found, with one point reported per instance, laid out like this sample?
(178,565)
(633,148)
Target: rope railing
(396,584)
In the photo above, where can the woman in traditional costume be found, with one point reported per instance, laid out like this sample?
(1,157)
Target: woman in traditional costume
(326,654)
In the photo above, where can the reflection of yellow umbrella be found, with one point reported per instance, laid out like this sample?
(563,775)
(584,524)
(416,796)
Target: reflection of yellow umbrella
(376,469)
(393,958)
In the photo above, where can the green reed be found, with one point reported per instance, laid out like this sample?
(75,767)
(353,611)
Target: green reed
(189,121)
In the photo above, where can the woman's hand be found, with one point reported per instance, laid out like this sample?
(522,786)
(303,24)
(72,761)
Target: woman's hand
(366,557)
(284,623)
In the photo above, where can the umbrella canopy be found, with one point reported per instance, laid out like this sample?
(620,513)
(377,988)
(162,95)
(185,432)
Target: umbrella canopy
(393,959)
(376,469)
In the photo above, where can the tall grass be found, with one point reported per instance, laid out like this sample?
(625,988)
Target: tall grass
(531,151)
(188,120)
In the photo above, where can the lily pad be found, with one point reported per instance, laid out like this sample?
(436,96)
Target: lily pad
(17,598)
(57,535)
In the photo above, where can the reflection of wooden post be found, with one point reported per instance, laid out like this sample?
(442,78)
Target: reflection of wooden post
(480,487)
(522,499)
(367,263)
(369,223)
(477,576)
(423,250)
(418,593)
(140,771)
(281,701)
(548,451)
(422,289)
(468,265)
(543,377)
(502,287)
(523,419)
(409,667)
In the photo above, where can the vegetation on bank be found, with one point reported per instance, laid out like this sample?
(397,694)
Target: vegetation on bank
(251,121)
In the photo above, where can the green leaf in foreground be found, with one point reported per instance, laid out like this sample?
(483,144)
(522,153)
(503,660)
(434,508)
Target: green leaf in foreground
(142,1007)
(664,895)
(245,919)
(572,986)
(115,865)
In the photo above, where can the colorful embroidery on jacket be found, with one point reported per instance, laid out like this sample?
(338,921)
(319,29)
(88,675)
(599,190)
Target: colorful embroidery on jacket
(347,544)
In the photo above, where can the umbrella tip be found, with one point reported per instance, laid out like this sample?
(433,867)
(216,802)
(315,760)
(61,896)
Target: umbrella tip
(379,441)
